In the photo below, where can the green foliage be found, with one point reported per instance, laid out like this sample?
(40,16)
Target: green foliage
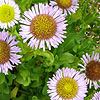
(67,58)
(24,4)
(39,1)
(22,97)
(4,89)
(4,96)
(2,78)
(34,98)
(23,77)
(14,92)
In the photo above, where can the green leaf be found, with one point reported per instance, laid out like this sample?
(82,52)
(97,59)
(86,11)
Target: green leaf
(10,78)
(35,76)
(44,91)
(24,74)
(39,1)
(4,96)
(49,69)
(24,4)
(97,50)
(69,43)
(5,88)
(36,83)
(47,54)
(23,77)
(98,83)
(76,16)
(76,48)
(2,78)
(66,58)
(25,82)
(14,92)
(35,98)
(86,43)
(22,97)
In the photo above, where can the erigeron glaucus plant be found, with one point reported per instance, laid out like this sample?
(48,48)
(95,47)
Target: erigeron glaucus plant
(67,6)
(8,52)
(9,13)
(67,84)
(92,69)
(42,25)
(38,39)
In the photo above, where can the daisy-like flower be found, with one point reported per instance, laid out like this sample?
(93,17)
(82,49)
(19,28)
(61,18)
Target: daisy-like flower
(8,52)
(91,68)
(96,96)
(9,13)
(43,25)
(67,84)
(66,5)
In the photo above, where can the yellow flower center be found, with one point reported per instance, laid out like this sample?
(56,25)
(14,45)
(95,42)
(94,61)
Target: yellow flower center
(4,52)
(6,13)
(64,3)
(43,26)
(67,88)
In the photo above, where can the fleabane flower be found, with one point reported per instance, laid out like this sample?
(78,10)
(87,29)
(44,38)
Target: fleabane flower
(43,25)
(67,84)
(9,13)
(96,96)
(8,52)
(67,6)
(91,68)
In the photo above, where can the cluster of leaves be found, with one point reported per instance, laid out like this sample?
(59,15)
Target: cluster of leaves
(28,81)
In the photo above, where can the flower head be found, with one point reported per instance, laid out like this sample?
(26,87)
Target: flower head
(9,13)
(8,52)
(66,5)
(92,69)
(67,84)
(43,24)
(96,96)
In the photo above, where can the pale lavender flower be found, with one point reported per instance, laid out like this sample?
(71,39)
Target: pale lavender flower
(67,84)
(96,96)
(67,6)
(92,69)
(8,52)
(9,13)
(42,25)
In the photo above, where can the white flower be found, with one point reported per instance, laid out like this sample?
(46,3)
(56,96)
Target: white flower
(43,25)
(67,84)
(66,5)
(9,13)
(8,52)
